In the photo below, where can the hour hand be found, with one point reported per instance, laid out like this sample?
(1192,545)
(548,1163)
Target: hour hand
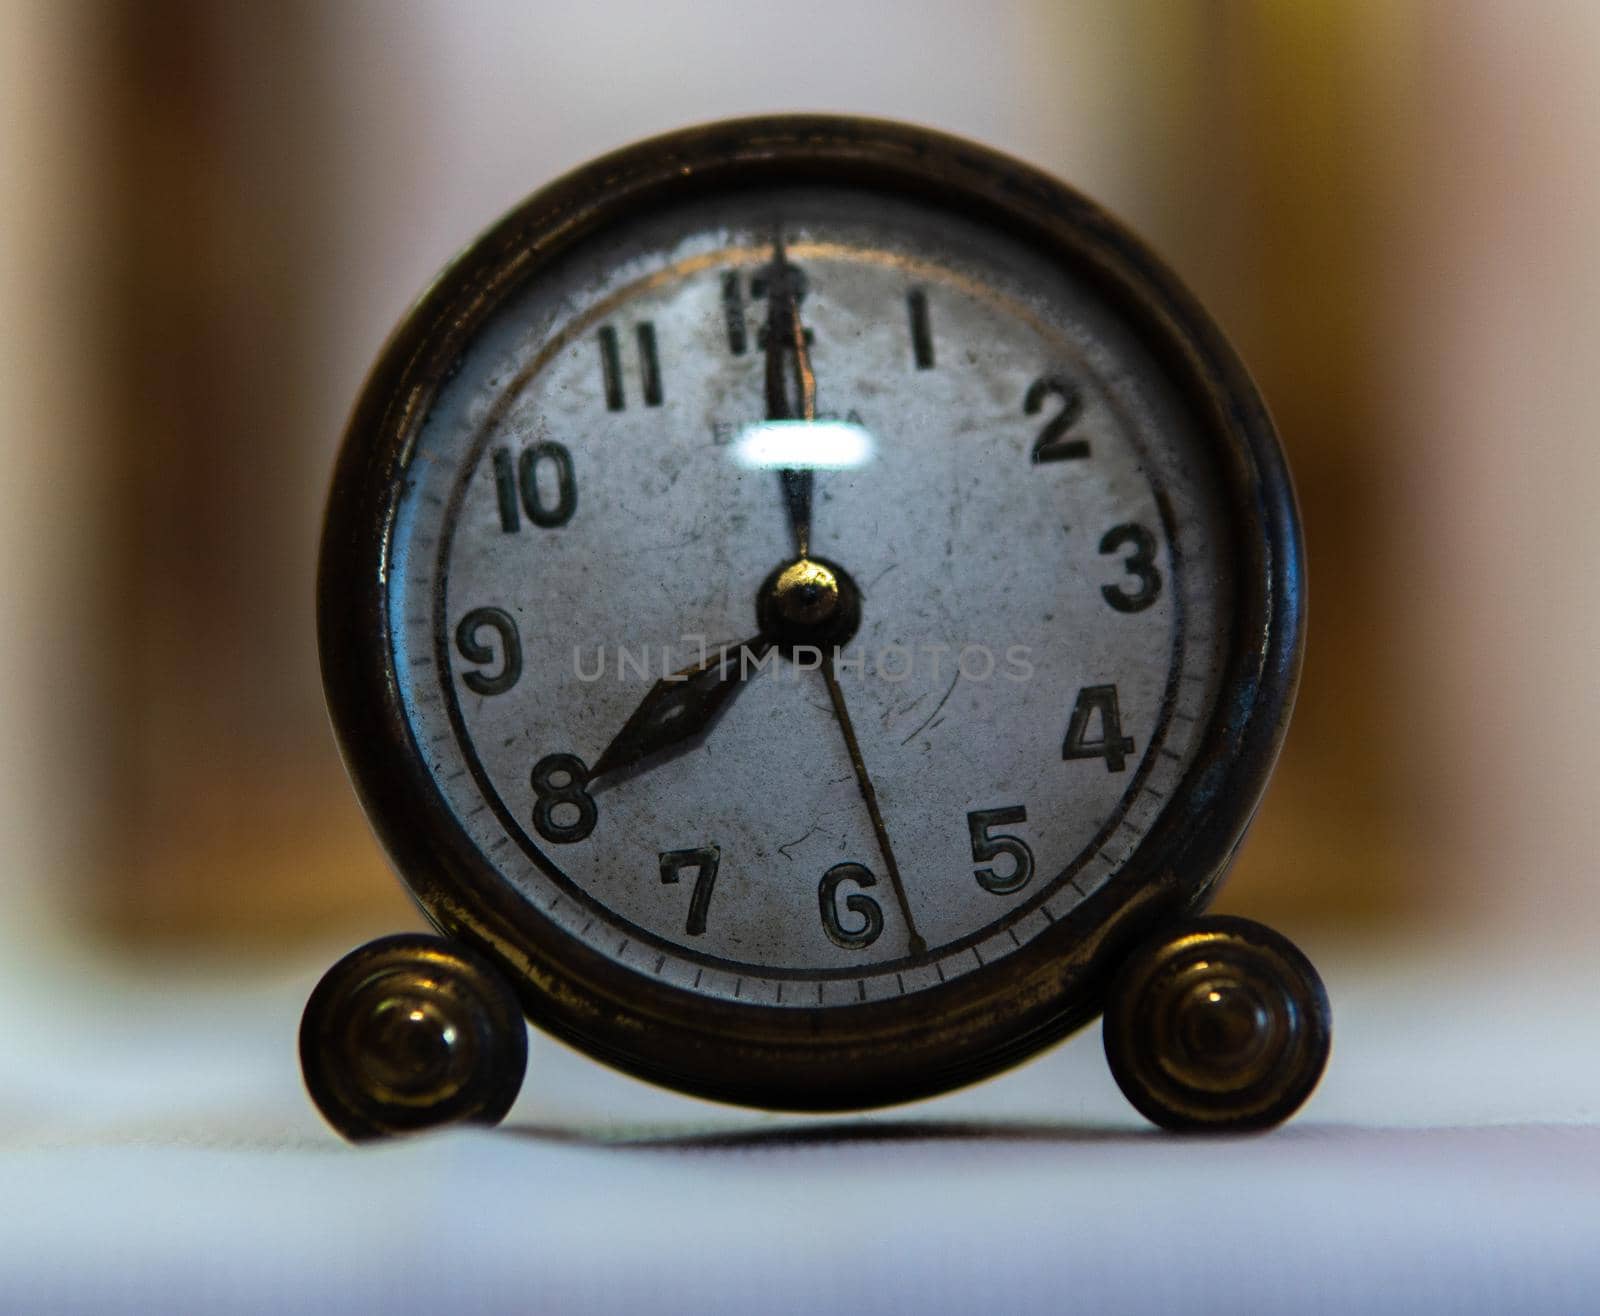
(679,708)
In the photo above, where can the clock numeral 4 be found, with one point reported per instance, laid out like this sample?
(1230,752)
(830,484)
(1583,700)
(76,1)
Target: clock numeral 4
(987,846)
(869,911)
(565,811)
(704,861)
(517,488)
(1111,745)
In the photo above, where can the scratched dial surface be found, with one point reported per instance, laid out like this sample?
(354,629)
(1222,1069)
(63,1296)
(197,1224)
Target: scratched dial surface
(1007,477)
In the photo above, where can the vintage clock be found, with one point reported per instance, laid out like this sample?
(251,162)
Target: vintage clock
(810,606)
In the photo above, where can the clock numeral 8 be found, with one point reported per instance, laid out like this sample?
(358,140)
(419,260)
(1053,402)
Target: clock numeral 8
(869,910)
(558,781)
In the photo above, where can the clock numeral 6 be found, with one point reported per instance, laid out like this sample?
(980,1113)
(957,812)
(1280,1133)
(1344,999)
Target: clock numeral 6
(871,914)
(565,812)
(469,639)
(1112,745)
(986,847)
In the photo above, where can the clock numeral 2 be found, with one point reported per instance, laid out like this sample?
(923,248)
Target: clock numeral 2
(468,633)
(704,861)
(1052,445)
(871,913)
(611,366)
(987,846)
(558,783)
(1112,745)
(519,483)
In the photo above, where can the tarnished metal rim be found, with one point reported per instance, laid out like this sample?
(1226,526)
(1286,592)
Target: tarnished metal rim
(882,1052)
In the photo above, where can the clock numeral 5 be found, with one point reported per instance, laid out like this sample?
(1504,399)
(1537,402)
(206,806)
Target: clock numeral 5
(986,847)
(871,925)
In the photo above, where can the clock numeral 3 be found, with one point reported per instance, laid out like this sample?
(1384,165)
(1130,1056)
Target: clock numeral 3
(704,861)
(1052,445)
(987,846)
(866,907)
(558,782)
(522,479)
(1140,563)
(1112,745)
(468,640)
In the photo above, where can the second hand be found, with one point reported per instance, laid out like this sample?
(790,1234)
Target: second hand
(918,945)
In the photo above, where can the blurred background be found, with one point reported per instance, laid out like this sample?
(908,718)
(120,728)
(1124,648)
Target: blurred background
(213,214)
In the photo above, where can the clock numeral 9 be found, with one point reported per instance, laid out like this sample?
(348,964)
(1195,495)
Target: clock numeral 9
(522,479)
(558,782)
(1140,563)
(986,847)
(1112,745)
(871,913)
(469,641)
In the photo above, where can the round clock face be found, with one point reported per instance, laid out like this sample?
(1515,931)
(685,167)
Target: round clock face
(802,605)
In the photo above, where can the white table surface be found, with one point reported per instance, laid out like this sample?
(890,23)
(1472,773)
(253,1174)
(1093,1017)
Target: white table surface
(159,1155)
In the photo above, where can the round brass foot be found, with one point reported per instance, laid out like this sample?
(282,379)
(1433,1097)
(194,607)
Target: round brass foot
(410,1032)
(1220,1025)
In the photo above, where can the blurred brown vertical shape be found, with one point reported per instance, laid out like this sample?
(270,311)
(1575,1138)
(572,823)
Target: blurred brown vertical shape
(1281,138)
(229,814)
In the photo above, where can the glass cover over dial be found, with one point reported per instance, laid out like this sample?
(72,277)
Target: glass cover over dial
(1003,507)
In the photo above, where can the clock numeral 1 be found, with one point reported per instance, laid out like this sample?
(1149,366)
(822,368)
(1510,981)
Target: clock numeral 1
(704,861)
(1112,745)
(987,846)
(871,914)
(921,334)
(520,486)
(611,366)
(1052,445)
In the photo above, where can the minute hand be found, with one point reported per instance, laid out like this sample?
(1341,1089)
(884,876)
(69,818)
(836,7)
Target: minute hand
(917,945)
(791,394)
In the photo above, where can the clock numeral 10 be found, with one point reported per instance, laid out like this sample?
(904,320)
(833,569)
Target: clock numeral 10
(517,486)
(1111,745)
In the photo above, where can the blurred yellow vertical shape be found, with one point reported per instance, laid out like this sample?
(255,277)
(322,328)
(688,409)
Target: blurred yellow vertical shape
(1280,142)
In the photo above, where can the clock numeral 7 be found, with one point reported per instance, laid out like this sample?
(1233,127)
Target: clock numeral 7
(1112,745)
(987,846)
(704,861)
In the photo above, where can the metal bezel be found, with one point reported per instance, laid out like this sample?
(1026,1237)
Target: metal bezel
(838,1057)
